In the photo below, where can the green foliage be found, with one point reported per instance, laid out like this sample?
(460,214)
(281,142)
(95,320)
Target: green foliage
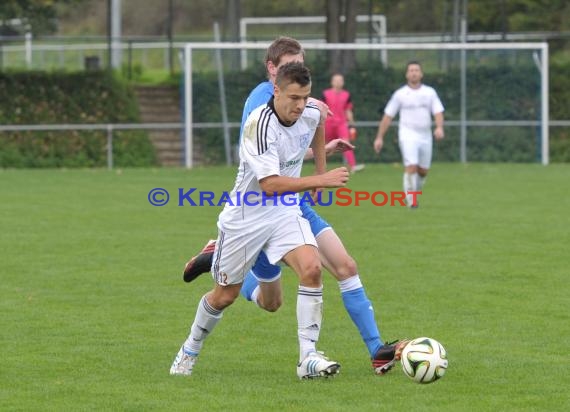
(68,98)
(39,15)
(559,109)
(206,105)
(495,93)
(531,15)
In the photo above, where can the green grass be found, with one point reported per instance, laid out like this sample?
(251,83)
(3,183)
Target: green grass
(93,308)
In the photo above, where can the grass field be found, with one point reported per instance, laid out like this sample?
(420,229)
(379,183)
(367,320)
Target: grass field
(93,307)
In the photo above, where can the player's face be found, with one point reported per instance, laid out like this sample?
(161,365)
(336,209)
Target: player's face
(286,58)
(337,81)
(414,74)
(290,101)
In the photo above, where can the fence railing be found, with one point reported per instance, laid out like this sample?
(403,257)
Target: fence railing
(111,128)
(25,51)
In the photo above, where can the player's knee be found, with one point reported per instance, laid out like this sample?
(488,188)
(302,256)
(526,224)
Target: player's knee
(346,268)
(412,169)
(273,305)
(311,273)
(222,297)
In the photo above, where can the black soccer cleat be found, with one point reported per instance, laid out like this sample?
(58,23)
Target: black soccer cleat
(200,263)
(387,355)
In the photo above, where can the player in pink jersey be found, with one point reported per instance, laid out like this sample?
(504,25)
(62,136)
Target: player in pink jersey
(337,125)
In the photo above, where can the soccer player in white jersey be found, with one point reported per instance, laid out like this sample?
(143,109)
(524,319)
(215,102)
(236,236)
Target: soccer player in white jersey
(416,103)
(262,284)
(273,144)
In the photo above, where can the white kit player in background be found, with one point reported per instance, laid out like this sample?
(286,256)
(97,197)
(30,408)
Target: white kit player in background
(416,103)
(273,144)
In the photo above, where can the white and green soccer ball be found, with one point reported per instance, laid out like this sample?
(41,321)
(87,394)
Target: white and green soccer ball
(424,360)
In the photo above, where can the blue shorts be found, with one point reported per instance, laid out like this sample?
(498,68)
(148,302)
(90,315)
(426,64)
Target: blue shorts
(265,271)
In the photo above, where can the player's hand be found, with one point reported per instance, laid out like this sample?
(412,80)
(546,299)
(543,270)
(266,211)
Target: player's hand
(438,133)
(315,194)
(352,133)
(378,143)
(335,178)
(338,146)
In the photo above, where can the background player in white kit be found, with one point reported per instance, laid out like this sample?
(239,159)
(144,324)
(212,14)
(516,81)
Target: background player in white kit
(416,103)
(273,144)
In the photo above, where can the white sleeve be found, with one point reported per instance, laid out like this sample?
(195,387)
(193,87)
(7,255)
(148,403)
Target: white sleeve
(436,105)
(393,106)
(259,147)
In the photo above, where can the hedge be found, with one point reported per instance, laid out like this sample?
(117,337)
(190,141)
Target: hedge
(97,97)
(58,98)
(494,93)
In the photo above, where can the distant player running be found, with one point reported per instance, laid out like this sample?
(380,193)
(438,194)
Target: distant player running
(416,104)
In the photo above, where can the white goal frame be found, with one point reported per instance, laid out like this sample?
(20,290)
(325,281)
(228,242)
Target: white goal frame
(378,24)
(542,61)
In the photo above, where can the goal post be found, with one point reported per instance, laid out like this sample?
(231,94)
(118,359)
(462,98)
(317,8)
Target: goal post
(538,51)
(376,21)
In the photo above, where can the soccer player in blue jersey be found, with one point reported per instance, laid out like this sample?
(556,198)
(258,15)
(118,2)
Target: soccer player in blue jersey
(262,284)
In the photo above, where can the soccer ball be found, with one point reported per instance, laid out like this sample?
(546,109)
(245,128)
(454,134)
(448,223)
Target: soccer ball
(424,360)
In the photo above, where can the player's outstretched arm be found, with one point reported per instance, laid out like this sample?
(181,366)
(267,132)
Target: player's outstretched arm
(318,148)
(332,147)
(281,184)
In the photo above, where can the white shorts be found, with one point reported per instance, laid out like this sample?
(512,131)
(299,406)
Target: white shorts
(416,152)
(237,251)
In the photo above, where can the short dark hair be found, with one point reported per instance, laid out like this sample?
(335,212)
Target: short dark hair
(293,72)
(411,62)
(283,46)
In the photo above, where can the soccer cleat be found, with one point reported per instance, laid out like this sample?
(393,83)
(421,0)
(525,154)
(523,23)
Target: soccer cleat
(183,363)
(200,263)
(387,356)
(316,365)
(358,168)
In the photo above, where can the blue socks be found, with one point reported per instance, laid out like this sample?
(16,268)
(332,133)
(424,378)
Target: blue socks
(361,312)
(248,286)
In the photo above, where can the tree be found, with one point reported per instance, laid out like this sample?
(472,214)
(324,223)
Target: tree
(231,27)
(338,31)
(39,16)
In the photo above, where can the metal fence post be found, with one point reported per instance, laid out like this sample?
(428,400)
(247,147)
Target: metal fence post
(110,146)
(130,60)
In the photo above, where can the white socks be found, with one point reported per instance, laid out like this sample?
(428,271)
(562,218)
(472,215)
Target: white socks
(349,284)
(410,185)
(413,182)
(255,294)
(309,318)
(206,319)
(421,182)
